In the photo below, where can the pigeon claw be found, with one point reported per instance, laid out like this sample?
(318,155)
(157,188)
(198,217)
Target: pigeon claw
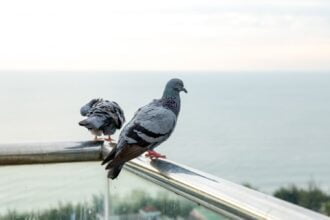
(109,139)
(96,138)
(154,155)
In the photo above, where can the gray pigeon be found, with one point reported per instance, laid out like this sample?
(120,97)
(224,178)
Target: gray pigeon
(150,126)
(103,117)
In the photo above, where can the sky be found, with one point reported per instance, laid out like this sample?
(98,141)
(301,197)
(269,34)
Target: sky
(197,35)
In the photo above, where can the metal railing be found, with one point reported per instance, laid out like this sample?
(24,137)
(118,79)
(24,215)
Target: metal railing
(224,197)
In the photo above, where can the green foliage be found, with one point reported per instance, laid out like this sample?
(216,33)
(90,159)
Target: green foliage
(248,185)
(131,204)
(312,197)
(171,206)
(62,212)
(326,208)
(139,199)
(290,194)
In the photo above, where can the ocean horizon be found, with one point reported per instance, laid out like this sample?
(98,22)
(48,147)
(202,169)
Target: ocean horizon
(266,129)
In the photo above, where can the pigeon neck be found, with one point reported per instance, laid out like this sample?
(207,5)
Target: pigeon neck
(172,102)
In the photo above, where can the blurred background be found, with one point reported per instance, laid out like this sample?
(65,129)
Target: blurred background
(257,72)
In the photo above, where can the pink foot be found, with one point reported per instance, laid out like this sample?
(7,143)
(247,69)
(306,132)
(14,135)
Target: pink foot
(154,155)
(96,138)
(109,139)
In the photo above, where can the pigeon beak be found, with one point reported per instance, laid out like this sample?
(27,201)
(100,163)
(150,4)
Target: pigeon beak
(183,89)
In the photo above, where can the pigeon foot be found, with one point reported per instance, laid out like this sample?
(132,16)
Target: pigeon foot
(96,138)
(111,140)
(154,155)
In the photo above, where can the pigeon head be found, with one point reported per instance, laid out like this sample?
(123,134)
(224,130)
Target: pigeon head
(174,87)
(93,122)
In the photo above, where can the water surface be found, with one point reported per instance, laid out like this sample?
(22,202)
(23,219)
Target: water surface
(268,129)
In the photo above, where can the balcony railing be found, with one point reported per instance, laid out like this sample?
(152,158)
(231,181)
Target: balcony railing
(224,198)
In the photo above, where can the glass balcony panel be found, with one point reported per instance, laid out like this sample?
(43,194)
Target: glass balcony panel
(82,191)
(53,191)
(132,197)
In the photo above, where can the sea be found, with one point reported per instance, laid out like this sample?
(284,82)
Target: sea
(268,129)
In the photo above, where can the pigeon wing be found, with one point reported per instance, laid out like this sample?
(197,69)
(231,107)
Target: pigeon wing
(151,125)
(117,114)
(109,110)
(126,154)
(84,110)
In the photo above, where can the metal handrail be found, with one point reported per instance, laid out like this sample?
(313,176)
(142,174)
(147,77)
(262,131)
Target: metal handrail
(221,196)
(56,152)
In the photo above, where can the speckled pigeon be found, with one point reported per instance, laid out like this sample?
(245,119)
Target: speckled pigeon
(150,126)
(103,117)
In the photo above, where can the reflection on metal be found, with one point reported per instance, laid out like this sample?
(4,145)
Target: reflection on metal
(107,199)
(224,197)
(28,153)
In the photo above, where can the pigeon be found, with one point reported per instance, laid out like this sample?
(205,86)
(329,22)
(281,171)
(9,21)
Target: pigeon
(103,117)
(150,126)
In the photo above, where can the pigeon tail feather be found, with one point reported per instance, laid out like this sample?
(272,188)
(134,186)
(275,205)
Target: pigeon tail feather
(114,166)
(110,156)
(114,171)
